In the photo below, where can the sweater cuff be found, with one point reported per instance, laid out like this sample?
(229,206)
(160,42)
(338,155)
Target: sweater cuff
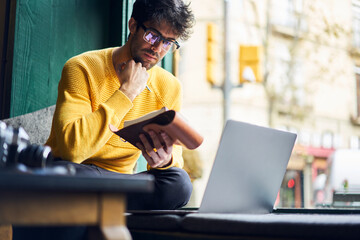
(169,165)
(120,103)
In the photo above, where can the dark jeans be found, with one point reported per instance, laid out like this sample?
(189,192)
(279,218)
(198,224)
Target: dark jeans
(172,190)
(172,186)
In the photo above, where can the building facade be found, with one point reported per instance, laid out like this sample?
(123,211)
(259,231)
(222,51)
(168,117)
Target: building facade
(310,81)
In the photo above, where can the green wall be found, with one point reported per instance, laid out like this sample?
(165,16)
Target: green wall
(47,33)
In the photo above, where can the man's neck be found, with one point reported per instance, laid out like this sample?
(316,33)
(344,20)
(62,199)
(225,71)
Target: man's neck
(120,55)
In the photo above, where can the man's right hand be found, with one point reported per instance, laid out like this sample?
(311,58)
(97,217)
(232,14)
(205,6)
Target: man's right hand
(133,78)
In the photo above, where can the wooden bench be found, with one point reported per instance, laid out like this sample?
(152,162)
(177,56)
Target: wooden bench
(291,224)
(40,200)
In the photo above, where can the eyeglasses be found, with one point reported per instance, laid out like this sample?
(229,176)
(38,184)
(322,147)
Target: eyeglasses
(152,36)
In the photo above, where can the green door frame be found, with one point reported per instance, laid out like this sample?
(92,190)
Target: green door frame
(7,23)
(32,57)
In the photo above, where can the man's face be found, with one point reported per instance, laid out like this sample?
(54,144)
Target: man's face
(142,51)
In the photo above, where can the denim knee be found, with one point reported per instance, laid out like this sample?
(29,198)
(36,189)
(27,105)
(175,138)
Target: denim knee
(173,188)
(185,188)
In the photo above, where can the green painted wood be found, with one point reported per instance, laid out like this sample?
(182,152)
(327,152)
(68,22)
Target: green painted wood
(116,23)
(167,62)
(124,19)
(47,33)
(7,22)
(141,164)
(126,15)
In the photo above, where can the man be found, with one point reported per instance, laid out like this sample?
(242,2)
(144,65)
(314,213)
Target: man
(110,86)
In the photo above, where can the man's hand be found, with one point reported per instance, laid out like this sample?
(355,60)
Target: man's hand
(133,77)
(161,154)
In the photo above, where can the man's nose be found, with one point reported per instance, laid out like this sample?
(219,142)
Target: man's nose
(157,47)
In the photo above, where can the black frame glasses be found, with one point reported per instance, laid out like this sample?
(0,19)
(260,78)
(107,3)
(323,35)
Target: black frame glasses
(155,36)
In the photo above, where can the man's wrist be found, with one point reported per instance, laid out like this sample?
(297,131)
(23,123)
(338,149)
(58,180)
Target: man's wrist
(127,93)
(169,163)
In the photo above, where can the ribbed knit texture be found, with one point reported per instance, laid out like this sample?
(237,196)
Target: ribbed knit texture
(89,100)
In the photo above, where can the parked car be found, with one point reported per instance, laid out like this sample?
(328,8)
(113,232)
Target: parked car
(342,185)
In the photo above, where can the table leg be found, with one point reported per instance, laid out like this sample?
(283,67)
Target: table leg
(5,232)
(116,233)
(112,219)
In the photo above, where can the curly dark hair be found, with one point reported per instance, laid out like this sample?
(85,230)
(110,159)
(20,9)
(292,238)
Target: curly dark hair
(174,12)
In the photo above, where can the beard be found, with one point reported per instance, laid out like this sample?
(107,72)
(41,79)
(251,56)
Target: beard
(148,65)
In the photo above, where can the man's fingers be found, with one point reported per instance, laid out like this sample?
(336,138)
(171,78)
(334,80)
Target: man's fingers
(146,155)
(169,142)
(151,152)
(159,145)
(146,143)
(158,154)
(156,139)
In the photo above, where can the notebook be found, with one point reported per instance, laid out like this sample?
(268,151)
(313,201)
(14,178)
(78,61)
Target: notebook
(248,169)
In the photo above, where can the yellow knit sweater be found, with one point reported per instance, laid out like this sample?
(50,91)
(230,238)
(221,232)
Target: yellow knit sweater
(89,100)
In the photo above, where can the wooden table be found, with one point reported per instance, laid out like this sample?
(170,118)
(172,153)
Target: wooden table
(48,200)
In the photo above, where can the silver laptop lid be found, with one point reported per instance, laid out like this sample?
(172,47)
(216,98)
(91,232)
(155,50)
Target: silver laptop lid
(248,169)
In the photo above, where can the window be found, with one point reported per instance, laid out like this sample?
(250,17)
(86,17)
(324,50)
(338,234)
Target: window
(288,13)
(327,140)
(354,142)
(287,73)
(305,138)
(357,79)
(356,23)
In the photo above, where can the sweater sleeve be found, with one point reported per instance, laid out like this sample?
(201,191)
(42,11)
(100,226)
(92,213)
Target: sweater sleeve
(80,128)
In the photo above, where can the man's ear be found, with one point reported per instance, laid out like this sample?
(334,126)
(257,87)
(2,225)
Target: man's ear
(132,25)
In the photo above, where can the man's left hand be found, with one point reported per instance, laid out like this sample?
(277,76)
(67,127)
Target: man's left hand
(161,154)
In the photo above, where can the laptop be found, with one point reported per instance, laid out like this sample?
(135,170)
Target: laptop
(248,169)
